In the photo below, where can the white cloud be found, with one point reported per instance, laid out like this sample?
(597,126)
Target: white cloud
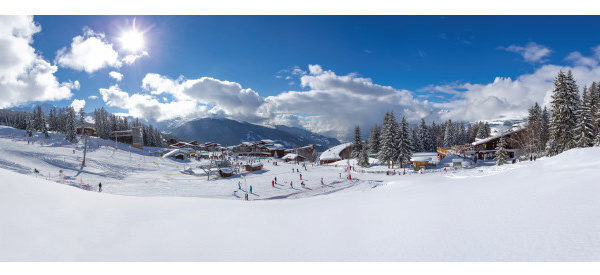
(578,59)
(24,75)
(131,58)
(506,96)
(335,104)
(88,52)
(93,97)
(228,98)
(116,75)
(78,104)
(532,52)
(148,107)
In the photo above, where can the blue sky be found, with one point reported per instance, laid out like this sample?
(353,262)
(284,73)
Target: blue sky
(293,69)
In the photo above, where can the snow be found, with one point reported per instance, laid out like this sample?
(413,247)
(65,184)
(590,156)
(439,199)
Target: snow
(334,152)
(529,211)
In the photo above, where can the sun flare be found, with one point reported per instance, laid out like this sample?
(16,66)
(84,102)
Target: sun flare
(132,40)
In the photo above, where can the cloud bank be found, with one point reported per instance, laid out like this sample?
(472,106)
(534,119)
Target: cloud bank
(24,75)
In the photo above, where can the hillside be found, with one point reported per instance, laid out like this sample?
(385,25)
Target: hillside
(230,132)
(530,211)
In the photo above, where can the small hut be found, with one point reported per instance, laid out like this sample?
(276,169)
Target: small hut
(419,162)
(253,167)
(225,172)
(293,157)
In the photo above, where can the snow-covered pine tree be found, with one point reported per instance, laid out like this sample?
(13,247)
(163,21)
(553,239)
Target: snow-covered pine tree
(374,140)
(481,132)
(564,112)
(501,154)
(534,130)
(71,135)
(158,138)
(386,144)
(82,119)
(470,133)
(545,135)
(363,157)
(594,94)
(29,126)
(423,136)
(357,146)
(38,114)
(449,135)
(403,143)
(488,129)
(462,134)
(52,119)
(45,128)
(585,126)
(434,137)
(416,142)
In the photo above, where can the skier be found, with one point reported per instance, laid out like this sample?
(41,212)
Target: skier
(302,184)
(291,184)
(273,183)
(292,170)
(250,189)
(298,171)
(445,169)
(239,185)
(99,187)
(530,158)
(321,181)
(300,176)
(534,157)
(275,179)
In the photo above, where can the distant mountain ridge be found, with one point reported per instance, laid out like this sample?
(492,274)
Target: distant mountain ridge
(230,132)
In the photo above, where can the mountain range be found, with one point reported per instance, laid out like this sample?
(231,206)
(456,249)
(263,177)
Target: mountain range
(229,132)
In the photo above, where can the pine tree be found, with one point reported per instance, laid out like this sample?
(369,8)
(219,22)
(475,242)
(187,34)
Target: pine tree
(449,135)
(158,138)
(416,141)
(564,113)
(374,140)
(501,154)
(38,114)
(404,146)
(585,127)
(29,126)
(71,135)
(424,137)
(363,158)
(462,134)
(481,131)
(386,149)
(488,129)
(534,143)
(44,128)
(357,143)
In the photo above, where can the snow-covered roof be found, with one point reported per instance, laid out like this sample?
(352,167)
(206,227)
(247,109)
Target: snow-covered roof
(514,128)
(268,141)
(334,152)
(420,159)
(291,156)
(276,146)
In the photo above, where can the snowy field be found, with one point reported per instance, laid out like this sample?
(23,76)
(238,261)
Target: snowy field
(530,211)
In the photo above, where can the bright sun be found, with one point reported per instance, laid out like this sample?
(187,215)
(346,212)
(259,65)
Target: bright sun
(132,40)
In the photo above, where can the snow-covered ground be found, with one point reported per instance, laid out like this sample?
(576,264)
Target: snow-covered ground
(530,211)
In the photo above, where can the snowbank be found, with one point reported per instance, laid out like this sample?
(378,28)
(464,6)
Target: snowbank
(531,211)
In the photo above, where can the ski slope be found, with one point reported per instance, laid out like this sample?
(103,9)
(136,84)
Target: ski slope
(530,211)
